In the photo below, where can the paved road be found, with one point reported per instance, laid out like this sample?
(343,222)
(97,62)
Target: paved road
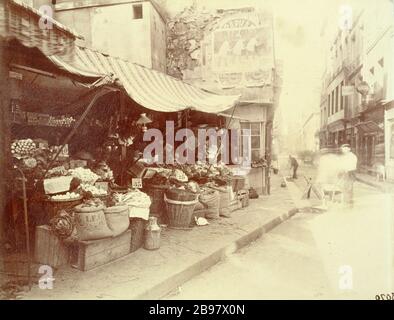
(339,254)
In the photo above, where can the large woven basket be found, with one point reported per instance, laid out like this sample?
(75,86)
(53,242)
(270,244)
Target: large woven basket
(180,195)
(180,213)
(53,207)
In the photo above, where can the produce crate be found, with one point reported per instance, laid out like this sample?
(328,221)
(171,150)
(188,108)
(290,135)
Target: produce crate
(137,228)
(235,205)
(49,248)
(95,253)
(238,183)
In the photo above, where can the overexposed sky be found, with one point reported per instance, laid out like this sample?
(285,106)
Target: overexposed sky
(298,42)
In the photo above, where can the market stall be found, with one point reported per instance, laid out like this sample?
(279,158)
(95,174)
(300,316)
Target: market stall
(86,192)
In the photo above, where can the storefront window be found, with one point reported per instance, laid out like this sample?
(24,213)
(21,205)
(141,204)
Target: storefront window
(255,130)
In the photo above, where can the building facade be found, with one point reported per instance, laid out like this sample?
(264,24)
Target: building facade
(309,135)
(231,51)
(228,52)
(357,88)
(130,29)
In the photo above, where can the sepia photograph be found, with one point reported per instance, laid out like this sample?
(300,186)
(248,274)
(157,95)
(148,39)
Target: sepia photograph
(196,150)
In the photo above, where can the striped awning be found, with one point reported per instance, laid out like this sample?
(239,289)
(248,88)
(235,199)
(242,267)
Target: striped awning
(35,29)
(149,88)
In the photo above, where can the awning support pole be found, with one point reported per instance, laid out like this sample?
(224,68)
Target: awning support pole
(77,124)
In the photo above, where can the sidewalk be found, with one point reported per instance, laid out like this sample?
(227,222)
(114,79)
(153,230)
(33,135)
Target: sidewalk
(372,181)
(183,254)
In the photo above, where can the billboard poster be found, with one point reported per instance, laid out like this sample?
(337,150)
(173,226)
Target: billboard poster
(242,57)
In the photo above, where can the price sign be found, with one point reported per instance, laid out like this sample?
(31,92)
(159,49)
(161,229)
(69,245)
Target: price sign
(136,183)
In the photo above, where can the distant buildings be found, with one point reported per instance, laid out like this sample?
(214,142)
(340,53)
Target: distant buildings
(309,134)
(357,96)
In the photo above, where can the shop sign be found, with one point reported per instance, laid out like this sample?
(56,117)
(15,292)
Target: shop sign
(136,183)
(15,75)
(347,90)
(363,88)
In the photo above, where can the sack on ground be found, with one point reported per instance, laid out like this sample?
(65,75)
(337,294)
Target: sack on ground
(91,223)
(117,219)
(210,200)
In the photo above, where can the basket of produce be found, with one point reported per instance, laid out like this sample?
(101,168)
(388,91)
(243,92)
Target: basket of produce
(137,201)
(57,203)
(118,189)
(86,176)
(90,221)
(180,213)
(23,148)
(180,195)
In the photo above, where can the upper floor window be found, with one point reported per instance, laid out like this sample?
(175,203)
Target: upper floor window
(137,11)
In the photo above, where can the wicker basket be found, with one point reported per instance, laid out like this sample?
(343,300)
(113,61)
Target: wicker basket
(180,195)
(180,213)
(52,207)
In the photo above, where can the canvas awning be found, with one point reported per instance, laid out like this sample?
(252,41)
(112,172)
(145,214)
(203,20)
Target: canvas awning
(33,29)
(149,88)
(335,126)
(369,126)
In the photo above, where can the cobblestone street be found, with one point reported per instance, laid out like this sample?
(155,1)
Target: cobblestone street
(334,255)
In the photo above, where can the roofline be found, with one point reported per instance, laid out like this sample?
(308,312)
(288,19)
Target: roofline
(66,6)
(34,11)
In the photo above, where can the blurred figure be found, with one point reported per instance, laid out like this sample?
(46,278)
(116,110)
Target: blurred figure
(293,166)
(348,173)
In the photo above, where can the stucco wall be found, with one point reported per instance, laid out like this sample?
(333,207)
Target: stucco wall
(111,29)
(159,41)
(195,38)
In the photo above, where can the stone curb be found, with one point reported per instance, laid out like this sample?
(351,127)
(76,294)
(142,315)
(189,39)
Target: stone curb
(168,285)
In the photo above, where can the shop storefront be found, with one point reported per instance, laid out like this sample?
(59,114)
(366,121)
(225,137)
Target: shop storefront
(389,140)
(371,138)
(77,175)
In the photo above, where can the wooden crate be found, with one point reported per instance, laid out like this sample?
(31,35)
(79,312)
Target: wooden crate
(49,248)
(235,205)
(243,196)
(95,253)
